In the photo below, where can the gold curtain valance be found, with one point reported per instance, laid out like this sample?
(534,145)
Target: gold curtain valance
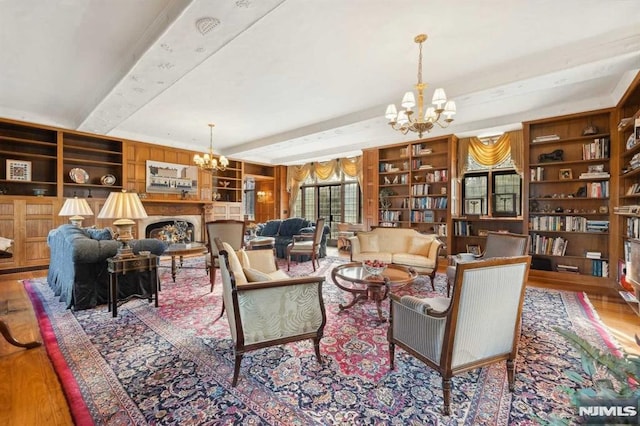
(296,175)
(510,143)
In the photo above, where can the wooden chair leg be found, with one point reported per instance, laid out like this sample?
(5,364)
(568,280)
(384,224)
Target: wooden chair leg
(212,277)
(392,355)
(316,346)
(236,369)
(313,262)
(432,275)
(221,312)
(446,392)
(4,330)
(511,369)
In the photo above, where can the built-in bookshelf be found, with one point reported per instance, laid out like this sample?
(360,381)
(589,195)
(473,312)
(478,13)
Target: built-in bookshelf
(627,211)
(471,230)
(414,183)
(569,194)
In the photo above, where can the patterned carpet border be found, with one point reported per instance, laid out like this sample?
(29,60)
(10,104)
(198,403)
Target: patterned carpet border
(173,364)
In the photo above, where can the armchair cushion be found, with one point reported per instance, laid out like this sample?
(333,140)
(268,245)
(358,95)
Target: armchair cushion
(234,265)
(419,305)
(253,275)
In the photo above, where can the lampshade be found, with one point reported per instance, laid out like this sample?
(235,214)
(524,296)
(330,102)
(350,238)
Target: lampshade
(76,208)
(123,206)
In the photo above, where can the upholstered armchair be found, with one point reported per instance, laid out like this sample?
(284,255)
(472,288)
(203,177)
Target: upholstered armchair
(307,245)
(478,326)
(228,230)
(499,244)
(264,306)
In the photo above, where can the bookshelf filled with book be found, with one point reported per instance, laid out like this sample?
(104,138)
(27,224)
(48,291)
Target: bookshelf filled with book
(627,211)
(414,185)
(569,194)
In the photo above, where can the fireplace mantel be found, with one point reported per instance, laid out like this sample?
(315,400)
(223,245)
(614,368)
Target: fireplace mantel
(175,209)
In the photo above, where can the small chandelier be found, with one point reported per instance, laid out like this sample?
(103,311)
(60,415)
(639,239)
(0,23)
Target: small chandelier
(207,162)
(405,120)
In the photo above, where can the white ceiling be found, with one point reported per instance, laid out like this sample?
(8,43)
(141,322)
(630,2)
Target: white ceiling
(292,81)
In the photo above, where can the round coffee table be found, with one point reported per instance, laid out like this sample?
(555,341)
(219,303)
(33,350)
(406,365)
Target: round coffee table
(352,278)
(261,243)
(181,250)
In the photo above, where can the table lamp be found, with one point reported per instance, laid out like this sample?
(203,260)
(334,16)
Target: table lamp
(76,208)
(125,207)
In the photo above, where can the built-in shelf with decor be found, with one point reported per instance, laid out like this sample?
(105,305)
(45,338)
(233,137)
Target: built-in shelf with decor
(569,194)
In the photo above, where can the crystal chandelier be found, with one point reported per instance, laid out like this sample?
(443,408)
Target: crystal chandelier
(405,121)
(207,162)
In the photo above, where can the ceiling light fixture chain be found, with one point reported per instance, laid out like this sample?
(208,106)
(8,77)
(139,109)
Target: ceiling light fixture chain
(207,162)
(404,121)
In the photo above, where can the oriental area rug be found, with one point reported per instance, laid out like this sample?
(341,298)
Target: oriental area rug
(173,365)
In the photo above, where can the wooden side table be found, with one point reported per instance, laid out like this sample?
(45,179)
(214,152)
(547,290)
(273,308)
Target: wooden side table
(132,265)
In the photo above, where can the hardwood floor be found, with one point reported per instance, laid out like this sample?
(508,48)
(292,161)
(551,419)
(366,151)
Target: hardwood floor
(30,393)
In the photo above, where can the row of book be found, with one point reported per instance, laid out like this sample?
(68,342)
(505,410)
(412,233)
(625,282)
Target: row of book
(543,244)
(440,229)
(422,216)
(599,148)
(595,175)
(429,203)
(546,138)
(598,189)
(537,174)
(634,189)
(633,227)
(437,176)
(420,189)
(418,164)
(390,167)
(420,149)
(599,268)
(597,226)
(462,228)
(390,216)
(558,223)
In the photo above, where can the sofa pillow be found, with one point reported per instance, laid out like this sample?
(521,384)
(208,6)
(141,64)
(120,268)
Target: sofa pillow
(99,234)
(234,264)
(368,242)
(253,275)
(419,246)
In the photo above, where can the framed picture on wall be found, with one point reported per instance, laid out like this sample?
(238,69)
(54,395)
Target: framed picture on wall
(170,178)
(19,170)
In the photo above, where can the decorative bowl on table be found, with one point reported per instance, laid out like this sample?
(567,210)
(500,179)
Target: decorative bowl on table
(374,267)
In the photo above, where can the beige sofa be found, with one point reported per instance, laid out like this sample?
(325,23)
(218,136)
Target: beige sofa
(402,246)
